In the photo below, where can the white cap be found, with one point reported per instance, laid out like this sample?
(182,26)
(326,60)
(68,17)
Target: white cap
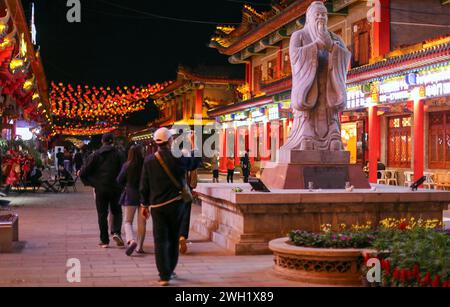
(162,135)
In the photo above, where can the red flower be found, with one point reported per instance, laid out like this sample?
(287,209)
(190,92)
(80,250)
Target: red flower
(366,258)
(403,275)
(387,267)
(427,279)
(436,281)
(403,225)
(416,270)
(396,274)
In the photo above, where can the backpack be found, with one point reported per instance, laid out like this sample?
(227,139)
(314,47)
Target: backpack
(87,171)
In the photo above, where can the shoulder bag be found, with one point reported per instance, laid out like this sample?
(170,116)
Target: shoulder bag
(185,191)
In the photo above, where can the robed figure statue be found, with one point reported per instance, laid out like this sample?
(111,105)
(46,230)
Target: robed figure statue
(320,63)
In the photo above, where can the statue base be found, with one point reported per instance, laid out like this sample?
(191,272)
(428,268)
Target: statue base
(325,169)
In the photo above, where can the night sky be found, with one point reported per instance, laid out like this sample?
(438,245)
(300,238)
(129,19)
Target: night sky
(117,43)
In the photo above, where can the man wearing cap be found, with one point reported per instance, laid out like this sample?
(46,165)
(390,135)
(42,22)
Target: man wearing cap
(160,193)
(101,170)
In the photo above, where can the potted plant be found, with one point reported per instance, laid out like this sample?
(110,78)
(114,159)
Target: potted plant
(323,258)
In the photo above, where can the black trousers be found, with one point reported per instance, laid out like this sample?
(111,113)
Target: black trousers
(230,176)
(186,221)
(108,200)
(166,234)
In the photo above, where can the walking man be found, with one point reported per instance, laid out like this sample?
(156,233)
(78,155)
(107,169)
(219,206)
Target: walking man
(163,179)
(100,171)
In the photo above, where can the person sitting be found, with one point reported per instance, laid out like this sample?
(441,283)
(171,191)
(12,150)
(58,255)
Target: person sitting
(65,178)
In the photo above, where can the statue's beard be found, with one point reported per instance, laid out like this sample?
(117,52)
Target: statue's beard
(316,27)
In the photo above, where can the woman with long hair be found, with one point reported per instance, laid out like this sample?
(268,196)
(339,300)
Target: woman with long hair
(129,178)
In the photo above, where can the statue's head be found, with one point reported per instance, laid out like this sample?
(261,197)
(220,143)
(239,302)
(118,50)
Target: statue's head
(316,18)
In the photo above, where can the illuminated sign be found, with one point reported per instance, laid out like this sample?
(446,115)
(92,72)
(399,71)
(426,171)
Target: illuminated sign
(356,98)
(226,118)
(274,112)
(241,116)
(258,115)
(437,89)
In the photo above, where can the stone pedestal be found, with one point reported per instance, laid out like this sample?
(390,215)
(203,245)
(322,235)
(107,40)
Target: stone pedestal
(325,169)
(9,233)
(246,222)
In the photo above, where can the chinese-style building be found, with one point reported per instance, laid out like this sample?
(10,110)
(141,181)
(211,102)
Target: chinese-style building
(397,87)
(194,92)
(23,86)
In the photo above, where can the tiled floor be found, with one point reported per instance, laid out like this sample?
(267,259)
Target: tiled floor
(55,228)
(58,227)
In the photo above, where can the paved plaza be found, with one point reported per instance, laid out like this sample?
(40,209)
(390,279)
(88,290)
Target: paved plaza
(57,227)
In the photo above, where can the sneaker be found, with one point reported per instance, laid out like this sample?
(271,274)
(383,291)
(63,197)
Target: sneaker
(163,283)
(118,239)
(174,276)
(103,245)
(139,251)
(130,249)
(183,245)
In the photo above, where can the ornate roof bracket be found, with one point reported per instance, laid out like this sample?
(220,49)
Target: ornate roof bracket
(264,44)
(278,36)
(249,52)
(236,59)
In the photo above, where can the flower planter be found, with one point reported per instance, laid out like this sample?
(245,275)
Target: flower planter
(324,266)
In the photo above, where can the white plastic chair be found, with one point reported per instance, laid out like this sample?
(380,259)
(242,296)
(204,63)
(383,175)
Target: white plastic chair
(391,177)
(409,179)
(383,178)
(429,182)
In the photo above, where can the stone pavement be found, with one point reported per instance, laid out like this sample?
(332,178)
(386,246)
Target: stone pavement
(57,227)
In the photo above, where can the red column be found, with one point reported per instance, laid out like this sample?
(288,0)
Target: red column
(374,143)
(223,151)
(236,146)
(252,142)
(199,102)
(250,76)
(280,60)
(418,139)
(381,28)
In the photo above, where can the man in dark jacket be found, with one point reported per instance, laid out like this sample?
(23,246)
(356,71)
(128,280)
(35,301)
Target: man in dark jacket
(101,170)
(162,195)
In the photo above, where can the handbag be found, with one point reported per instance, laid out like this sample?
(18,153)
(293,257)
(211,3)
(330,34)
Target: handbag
(192,178)
(185,191)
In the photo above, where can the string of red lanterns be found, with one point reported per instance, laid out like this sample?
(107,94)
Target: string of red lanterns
(89,110)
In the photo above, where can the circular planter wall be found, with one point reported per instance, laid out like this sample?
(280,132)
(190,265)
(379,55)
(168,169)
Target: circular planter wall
(325,266)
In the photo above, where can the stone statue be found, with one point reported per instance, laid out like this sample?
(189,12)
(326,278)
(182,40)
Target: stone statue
(319,69)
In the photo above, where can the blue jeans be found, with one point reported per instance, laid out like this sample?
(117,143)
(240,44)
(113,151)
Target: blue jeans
(166,234)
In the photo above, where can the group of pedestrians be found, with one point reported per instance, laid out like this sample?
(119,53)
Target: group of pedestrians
(154,186)
(231,167)
(69,160)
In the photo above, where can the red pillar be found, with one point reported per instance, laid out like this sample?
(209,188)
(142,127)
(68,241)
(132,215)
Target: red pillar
(418,139)
(223,151)
(381,28)
(199,102)
(374,143)
(280,60)
(252,142)
(250,76)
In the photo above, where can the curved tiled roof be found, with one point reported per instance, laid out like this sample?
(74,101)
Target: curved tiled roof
(403,62)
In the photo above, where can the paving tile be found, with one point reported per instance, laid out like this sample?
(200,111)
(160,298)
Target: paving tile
(54,228)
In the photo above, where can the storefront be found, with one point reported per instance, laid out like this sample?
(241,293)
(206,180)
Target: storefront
(260,131)
(412,108)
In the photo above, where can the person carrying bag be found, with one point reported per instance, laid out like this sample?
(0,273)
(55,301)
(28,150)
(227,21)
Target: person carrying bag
(164,190)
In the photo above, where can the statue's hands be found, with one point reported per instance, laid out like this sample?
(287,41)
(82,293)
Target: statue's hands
(324,38)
